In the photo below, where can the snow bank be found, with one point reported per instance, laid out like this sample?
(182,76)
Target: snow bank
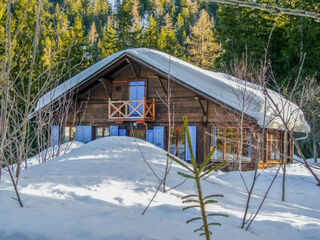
(50,153)
(219,87)
(100,190)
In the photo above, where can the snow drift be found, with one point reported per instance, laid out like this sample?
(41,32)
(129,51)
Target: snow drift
(99,191)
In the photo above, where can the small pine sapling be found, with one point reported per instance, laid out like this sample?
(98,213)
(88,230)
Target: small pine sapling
(198,200)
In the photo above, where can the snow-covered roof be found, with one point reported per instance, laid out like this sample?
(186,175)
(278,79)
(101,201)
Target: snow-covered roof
(218,87)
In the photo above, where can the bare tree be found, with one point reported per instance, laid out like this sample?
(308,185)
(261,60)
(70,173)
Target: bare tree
(21,88)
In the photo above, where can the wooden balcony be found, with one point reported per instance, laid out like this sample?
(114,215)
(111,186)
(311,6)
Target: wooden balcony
(124,110)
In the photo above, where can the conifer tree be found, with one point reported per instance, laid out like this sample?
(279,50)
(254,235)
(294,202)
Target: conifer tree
(136,31)
(107,45)
(150,39)
(202,46)
(92,36)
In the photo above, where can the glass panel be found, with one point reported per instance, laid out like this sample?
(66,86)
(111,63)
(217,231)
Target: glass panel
(66,135)
(231,144)
(142,135)
(173,149)
(99,132)
(73,133)
(245,144)
(106,132)
(135,134)
(181,143)
(220,137)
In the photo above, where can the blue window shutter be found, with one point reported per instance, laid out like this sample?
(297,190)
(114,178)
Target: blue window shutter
(114,130)
(149,135)
(54,135)
(133,91)
(122,132)
(79,133)
(214,141)
(193,136)
(83,133)
(158,138)
(87,134)
(249,151)
(136,92)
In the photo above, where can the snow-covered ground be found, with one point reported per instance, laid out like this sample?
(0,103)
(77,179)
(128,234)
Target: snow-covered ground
(99,191)
(50,153)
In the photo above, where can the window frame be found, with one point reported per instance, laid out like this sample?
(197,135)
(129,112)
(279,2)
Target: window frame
(103,131)
(139,131)
(236,140)
(70,131)
(176,129)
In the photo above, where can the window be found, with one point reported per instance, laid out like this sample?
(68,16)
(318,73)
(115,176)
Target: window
(102,132)
(228,142)
(177,142)
(69,133)
(138,134)
(273,145)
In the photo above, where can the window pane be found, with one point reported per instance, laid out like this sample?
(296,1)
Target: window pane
(181,143)
(66,134)
(142,135)
(73,133)
(231,144)
(99,132)
(173,149)
(135,134)
(106,132)
(245,144)
(220,137)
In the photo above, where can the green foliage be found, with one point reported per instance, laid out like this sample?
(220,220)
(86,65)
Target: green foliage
(198,200)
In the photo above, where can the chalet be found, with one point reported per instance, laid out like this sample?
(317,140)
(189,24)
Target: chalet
(125,94)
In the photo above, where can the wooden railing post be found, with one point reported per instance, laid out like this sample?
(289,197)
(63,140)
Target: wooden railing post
(144,107)
(154,109)
(126,109)
(109,108)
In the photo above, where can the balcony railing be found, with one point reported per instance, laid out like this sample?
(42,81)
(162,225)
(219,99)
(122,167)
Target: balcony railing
(123,110)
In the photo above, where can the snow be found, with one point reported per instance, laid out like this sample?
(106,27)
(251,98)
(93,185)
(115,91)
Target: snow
(49,153)
(218,87)
(99,191)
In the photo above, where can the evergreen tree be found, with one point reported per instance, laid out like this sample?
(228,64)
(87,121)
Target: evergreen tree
(167,40)
(150,39)
(107,45)
(203,48)
(92,36)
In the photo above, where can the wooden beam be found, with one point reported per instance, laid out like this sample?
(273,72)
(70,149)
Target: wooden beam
(163,88)
(202,107)
(108,90)
(131,66)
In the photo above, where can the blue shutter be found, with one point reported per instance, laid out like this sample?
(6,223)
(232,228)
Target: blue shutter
(249,151)
(83,134)
(193,136)
(87,134)
(54,135)
(79,133)
(122,132)
(158,138)
(136,92)
(149,136)
(214,141)
(114,130)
